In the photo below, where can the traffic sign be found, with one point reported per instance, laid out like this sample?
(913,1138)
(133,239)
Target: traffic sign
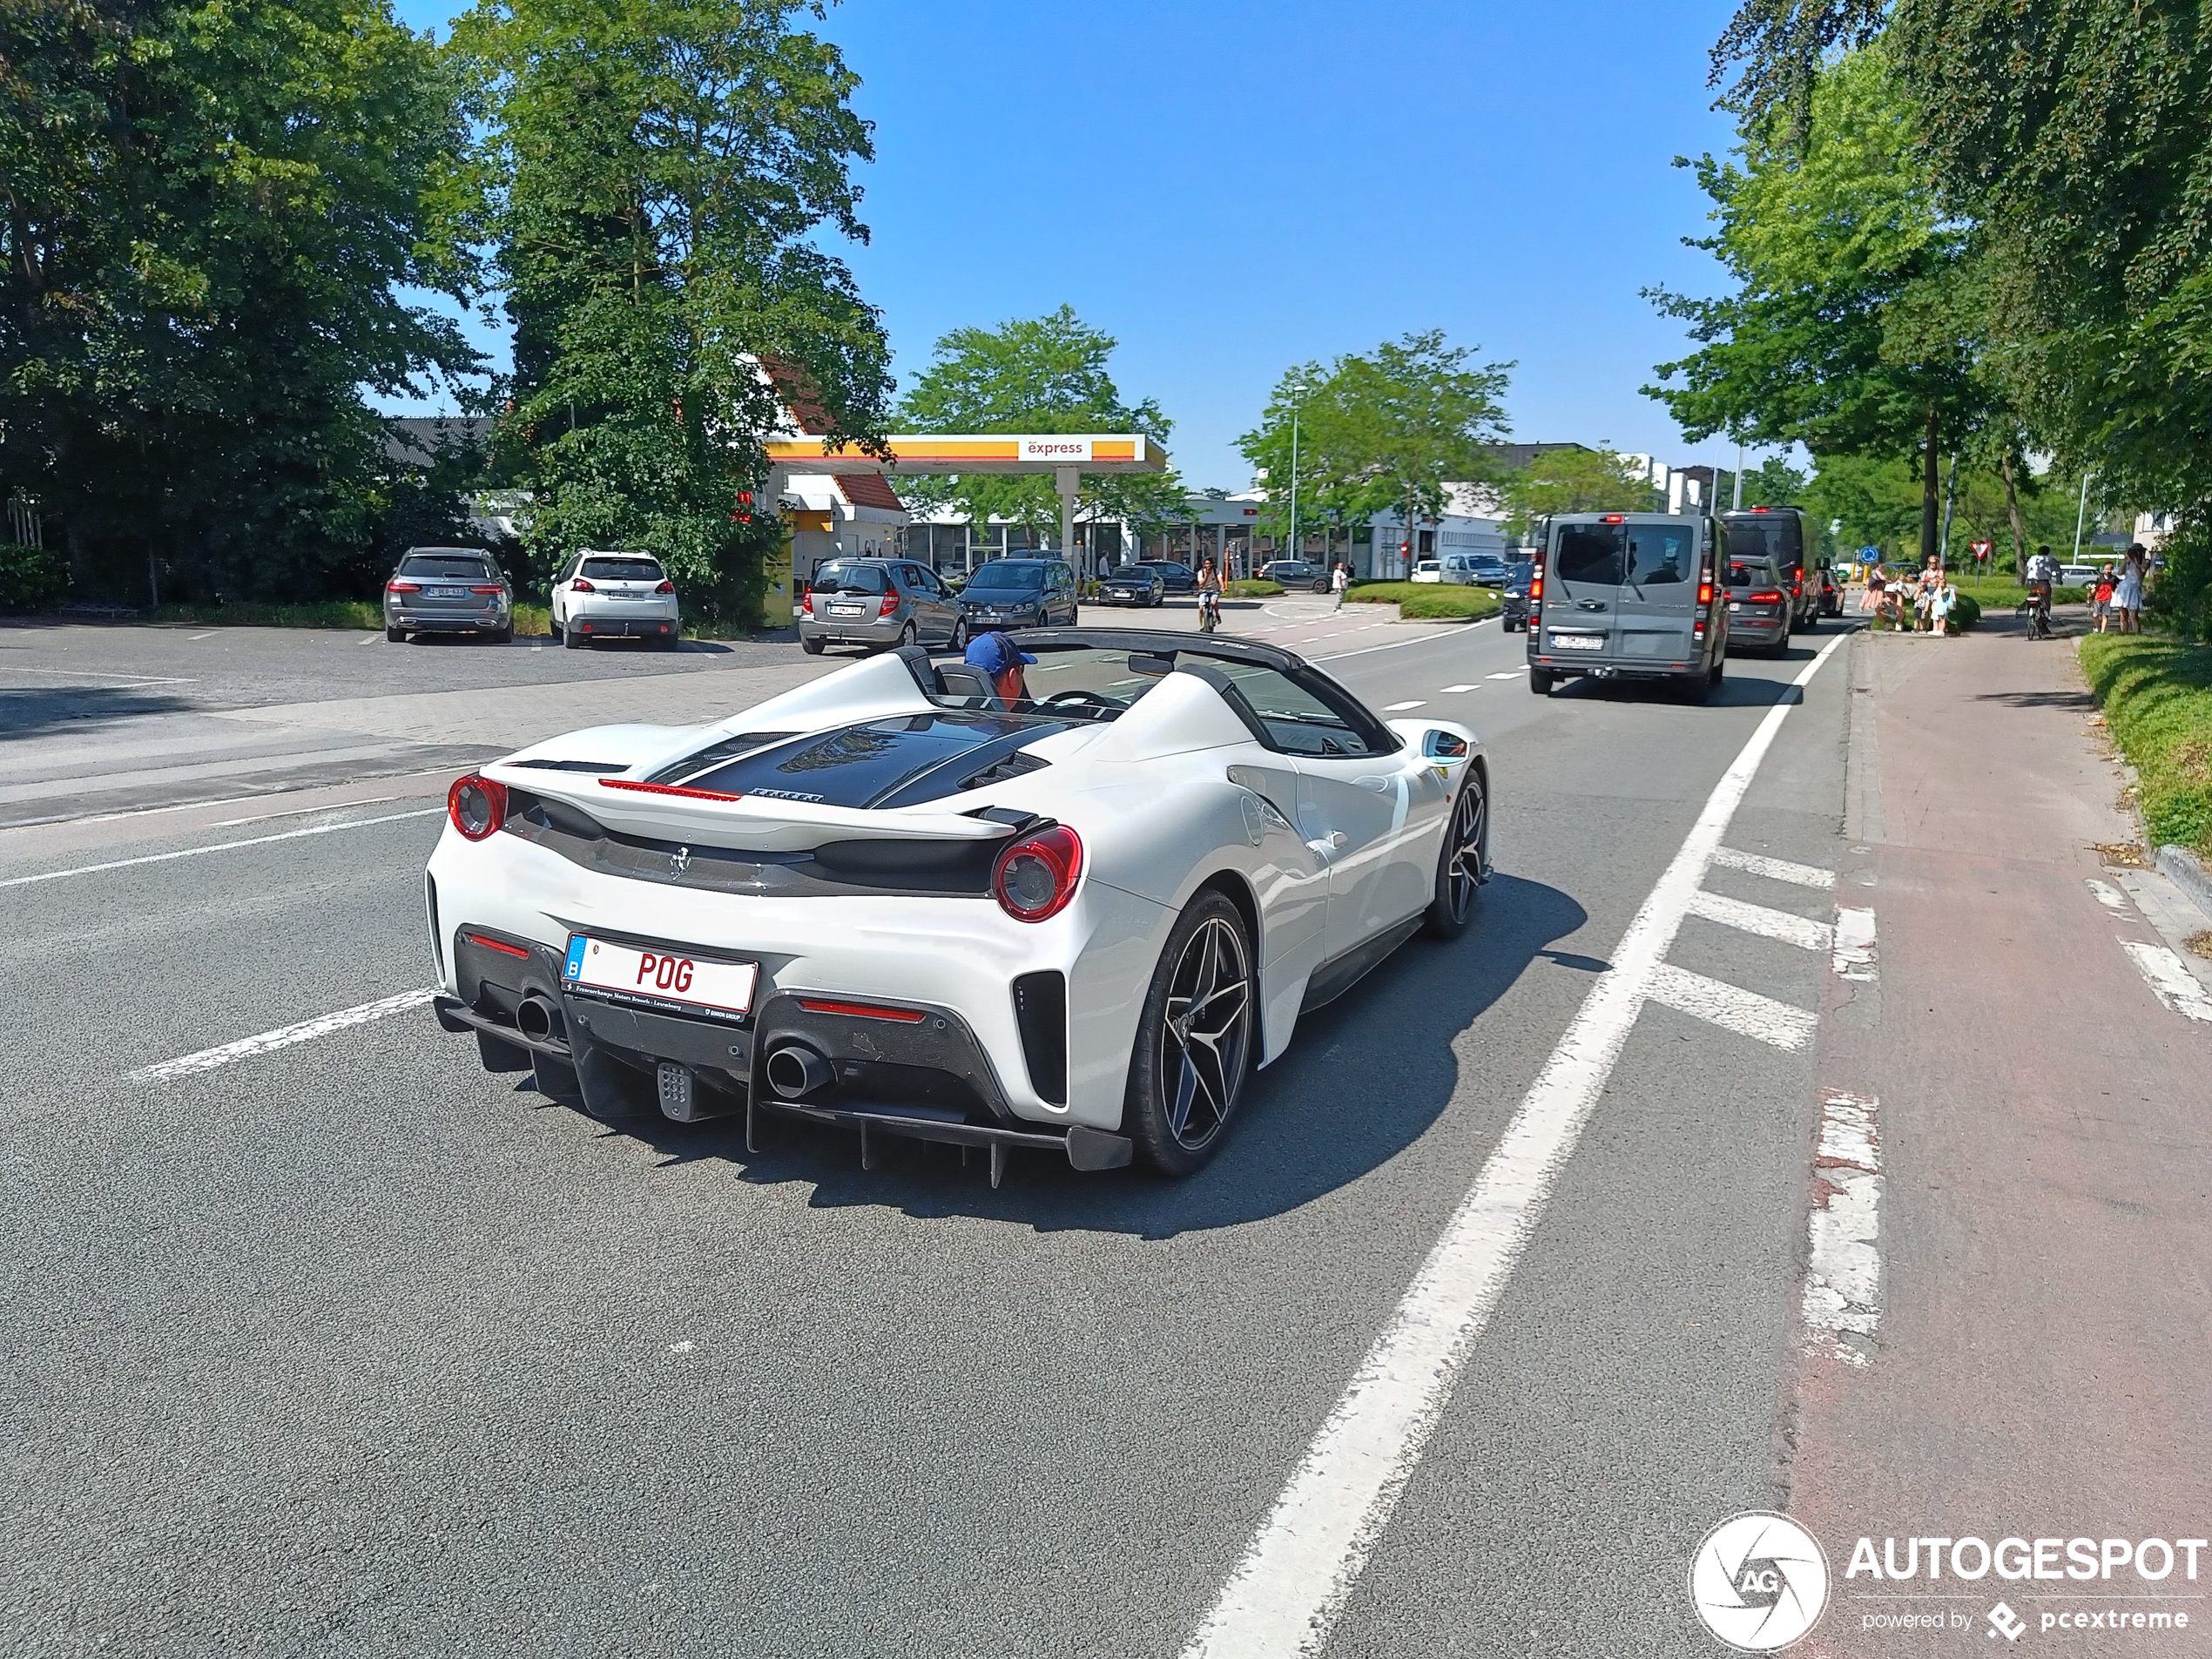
(1870,554)
(1980,548)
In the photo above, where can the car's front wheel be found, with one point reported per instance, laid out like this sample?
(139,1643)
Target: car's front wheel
(1195,1040)
(1458,862)
(958,638)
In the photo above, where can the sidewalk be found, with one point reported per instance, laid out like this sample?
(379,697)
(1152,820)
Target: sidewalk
(2041,1361)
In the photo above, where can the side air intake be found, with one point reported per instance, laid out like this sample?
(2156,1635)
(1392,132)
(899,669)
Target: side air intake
(1041,1014)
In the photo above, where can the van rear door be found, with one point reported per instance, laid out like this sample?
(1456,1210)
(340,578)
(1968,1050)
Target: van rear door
(1658,600)
(1582,588)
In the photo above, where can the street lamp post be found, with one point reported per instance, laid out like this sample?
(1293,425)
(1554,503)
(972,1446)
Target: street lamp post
(1297,392)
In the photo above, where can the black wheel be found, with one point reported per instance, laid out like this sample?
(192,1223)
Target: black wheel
(1710,687)
(572,639)
(397,635)
(1539,681)
(1321,586)
(958,638)
(504,636)
(906,637)
(811,647)
(1195,1040)
(1459,862)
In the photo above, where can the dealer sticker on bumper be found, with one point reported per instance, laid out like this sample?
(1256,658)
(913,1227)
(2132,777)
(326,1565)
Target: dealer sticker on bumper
(659,976)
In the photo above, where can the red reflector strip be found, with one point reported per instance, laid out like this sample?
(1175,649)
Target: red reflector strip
(665,789)
(863,1011)
(494,944)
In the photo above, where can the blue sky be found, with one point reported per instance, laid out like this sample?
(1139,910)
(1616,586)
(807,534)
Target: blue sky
(1231,187)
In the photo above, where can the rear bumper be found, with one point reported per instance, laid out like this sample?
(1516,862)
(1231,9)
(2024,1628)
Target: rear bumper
(624,627)
(857,631)
(457,622)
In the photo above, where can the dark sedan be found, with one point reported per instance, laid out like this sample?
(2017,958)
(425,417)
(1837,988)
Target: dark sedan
(1515,616)
(1178,577)
(1133,584)
(1295,574)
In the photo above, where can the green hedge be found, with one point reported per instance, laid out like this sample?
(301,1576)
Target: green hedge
(1249,590)
(1429,600)
(30,577)
(2157,698)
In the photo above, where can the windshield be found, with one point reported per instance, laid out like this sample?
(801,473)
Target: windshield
(452,566)
(621,570)
(852,579)
(1002,573)
(1751,573)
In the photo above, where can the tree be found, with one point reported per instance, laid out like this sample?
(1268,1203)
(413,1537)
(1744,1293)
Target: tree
(664,170)
(211,213)
(1570,479)
(1855,327)
(1041,374)
(1385,429)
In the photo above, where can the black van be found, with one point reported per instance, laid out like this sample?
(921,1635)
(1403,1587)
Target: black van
(1781,535)
(1627,596)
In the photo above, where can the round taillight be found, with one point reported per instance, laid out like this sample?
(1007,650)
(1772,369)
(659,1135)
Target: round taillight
(1035,877)
(476,805)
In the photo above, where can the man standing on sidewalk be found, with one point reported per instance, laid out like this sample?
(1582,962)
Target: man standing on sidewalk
(1339,579)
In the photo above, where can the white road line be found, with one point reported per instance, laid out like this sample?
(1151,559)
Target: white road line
(1844,1263)
(282,1038)
(99,674)
(2169,979)
(368,639)
(1395,644)
(1854,957)
(1283,1596)
(219,847)
(1730,1006)
(1510,674)
(1768,924)
(1400,708)
(1803,875)
(2108,896)
(1452,690)
(196,638)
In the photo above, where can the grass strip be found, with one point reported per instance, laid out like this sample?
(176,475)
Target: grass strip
(2157,697)
(1429,600)
(364,616)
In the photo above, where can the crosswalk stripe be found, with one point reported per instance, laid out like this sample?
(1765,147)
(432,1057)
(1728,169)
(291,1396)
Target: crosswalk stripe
(1758,919)
(1803,875)
(2169,979)
(1730,1006)
(1854,957)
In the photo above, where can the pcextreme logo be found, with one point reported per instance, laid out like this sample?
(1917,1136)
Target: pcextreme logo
(1759,1581)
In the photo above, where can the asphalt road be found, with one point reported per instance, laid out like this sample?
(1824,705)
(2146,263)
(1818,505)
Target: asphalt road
(351,1347)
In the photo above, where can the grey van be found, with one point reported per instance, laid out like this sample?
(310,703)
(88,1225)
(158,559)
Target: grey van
(1627,596)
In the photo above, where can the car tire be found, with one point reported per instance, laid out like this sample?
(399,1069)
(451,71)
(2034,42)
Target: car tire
(906,637)
(1462,859)
(1177,1078)
(397,635)
(1710,687)
(574,640)
(1320,587)
(504,636)
(1539,681)
(957,640)
(811,647)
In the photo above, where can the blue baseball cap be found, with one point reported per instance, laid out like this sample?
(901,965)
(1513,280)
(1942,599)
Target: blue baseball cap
(994,653)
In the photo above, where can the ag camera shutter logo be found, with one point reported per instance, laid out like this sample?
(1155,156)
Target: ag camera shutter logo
(1759,1581)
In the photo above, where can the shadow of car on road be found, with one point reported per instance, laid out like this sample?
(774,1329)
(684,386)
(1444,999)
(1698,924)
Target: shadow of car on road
(42,709)
(1363,1080)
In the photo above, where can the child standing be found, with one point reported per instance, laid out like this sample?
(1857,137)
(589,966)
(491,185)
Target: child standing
(2103,597)
(1946,594)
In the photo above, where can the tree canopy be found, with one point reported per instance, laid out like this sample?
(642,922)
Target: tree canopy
(1570,479)
(1379,430)
(1041,374)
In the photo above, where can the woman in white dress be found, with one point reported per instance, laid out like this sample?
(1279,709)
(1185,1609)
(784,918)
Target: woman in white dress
(2128,597)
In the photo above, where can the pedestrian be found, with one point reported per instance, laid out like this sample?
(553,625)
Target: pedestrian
(1946,594)
(1339,579)
(2127,597)
(1875,599)
(1923,593)
(2100,598)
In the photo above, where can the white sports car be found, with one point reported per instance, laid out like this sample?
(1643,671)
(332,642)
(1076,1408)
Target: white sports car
(890,900)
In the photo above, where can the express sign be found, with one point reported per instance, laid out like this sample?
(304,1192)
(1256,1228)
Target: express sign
(1056,449)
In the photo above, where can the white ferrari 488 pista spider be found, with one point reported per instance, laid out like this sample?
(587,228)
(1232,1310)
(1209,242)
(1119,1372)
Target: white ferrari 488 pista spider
(895,900)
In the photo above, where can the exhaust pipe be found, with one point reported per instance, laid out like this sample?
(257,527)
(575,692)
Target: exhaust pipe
(794,1071)
(539,1019)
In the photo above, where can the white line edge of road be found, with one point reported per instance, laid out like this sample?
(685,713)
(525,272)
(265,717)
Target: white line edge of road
(283,1037)
(1284,1594)
(219,847)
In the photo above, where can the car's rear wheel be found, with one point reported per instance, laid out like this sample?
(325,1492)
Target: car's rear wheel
(1539,681)
(397,635)
(572,639)
(1458,862)
(1195,1040)
(811,647)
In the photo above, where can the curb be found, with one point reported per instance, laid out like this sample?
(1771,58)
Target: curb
(2180,867)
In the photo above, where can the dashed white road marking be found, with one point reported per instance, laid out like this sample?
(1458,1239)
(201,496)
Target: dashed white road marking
(370,639)
(1283,1595)
(1400,708)
(283,1037)
(219,847)
(1732,1008)
(1803,875)
(2108,896)
(1760,920)
(1510,674)
(1843,1266)
(1854,956)
(196,638)
(1452,690)
(102,674)
(2169,979)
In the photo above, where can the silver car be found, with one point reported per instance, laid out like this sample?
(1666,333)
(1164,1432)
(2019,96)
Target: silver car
(1760,613)
(448,589)
(878,604)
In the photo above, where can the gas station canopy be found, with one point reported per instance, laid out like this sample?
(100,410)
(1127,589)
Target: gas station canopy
(1041,452)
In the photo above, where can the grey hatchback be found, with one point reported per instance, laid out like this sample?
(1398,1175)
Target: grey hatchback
(878,604)
(1627,596)
(1759,606)
(448,589)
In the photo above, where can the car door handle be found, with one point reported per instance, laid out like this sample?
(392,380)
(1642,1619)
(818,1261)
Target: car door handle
(1590,604)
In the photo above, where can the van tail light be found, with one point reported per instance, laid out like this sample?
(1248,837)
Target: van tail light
(1536,585)
(1035,877)
(890,603)
(397,586)
(476,805)
(665,587)
(580,586)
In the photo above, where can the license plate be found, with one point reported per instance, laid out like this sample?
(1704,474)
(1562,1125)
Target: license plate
(847,610)
(448,593)
(1577,642)
(659,975)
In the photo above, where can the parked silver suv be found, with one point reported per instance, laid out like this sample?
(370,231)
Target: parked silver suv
(448,589)
(878,604)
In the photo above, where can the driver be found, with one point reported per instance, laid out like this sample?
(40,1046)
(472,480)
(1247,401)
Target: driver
(1000,660)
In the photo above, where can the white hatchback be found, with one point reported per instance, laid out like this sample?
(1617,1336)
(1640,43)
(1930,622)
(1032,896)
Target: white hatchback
(1428,570)
(614,596)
